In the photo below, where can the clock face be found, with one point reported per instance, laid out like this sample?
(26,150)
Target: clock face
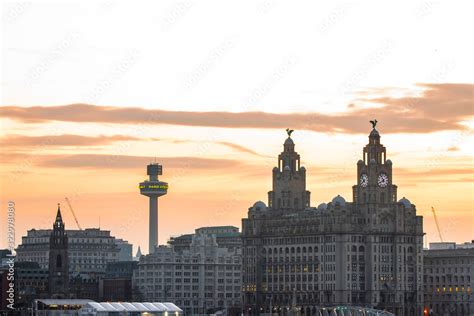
(382,180)
(364,180)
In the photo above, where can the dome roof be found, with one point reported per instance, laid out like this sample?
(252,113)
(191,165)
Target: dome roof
(289,141)
(388,162)
(374,133)
(322,206)
(406,202)
(259,206)
(339,200)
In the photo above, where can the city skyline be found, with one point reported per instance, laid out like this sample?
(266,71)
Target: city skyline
(165,238)
(87,106)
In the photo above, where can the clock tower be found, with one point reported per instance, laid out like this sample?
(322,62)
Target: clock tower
(58,259)
(374,175)
(289,181)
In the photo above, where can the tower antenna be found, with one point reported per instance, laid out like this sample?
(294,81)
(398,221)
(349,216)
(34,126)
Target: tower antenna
(153,188)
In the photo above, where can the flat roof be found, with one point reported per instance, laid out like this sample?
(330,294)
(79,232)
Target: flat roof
(64,301)
(133,307)
(115,306)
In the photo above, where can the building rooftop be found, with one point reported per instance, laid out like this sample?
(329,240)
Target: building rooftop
(63,301)
(451,245)
(133,307)
(138,307)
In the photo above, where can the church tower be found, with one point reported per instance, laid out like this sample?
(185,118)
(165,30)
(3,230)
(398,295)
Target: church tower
(289,181)
(58,259)
(374,175)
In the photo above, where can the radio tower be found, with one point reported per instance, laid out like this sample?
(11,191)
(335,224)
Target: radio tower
(153,188)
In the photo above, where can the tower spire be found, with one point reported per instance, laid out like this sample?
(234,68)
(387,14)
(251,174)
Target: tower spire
(58,259)
(59,218)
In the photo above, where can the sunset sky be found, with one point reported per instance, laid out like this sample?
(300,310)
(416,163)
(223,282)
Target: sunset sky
(94,91)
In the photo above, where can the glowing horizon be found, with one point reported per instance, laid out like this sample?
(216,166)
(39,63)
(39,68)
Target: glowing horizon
(87,106)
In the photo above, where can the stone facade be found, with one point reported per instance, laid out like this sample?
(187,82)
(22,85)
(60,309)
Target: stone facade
(226,237)
(89,250)
(449,279)
(362,253)
(201,279)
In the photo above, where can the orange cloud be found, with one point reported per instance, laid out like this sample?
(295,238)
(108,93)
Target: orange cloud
(61,140)
(440,107)
(118,161)
(234,146)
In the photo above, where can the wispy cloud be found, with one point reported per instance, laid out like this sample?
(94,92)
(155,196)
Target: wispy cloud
(61,140)
(431,173)
(105,161)
(440,107)
(240,148)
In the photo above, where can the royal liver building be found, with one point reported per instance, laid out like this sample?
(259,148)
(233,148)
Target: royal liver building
(298,258)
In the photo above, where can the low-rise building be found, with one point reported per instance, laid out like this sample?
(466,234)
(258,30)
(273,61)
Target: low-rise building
(86,307)
(116,285)
(31,282)
(89,250)
(449,279)
(202,279)
(3,290)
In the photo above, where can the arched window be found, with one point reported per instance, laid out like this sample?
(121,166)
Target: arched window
(59,262)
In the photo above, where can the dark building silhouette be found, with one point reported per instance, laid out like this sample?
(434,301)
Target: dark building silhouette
(3,289)
(58,260)
(31,282)
(116,285)
(4,266)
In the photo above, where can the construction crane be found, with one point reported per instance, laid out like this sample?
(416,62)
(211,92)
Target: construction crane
(437,224)
(73,214)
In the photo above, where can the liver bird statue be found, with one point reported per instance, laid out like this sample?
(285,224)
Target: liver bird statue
(374,123)
(289,131)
